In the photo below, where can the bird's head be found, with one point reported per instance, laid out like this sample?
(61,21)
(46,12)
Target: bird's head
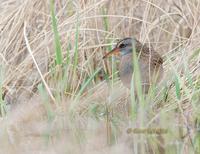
(122,48)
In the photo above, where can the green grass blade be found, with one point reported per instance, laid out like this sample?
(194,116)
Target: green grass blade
(2,103)
(76,46)
(177,87)
(133,101)
(83,88)
(197,143)
(136,88)
(68,54)
(194,55)
(105,20)
(113,63)
(56,35)
(137,76)
(87,82)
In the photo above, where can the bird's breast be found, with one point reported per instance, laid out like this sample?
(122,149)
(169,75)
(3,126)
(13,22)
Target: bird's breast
(126,70)
(147,71)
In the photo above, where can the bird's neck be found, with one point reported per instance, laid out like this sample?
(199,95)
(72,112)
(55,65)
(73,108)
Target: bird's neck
(126,64)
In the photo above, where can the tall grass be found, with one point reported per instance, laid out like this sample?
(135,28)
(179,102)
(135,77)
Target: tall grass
(75,61)
(109,48)
(58,49)
(2,102)
(72,37)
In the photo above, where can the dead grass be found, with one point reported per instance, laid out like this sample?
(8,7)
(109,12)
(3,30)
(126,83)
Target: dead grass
(37,94)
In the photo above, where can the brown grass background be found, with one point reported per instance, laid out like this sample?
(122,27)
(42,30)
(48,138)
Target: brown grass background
(171,27)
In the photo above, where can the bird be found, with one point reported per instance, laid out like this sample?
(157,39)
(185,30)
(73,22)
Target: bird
(150,62)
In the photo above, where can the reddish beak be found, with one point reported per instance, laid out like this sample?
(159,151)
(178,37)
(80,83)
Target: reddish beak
(115,51)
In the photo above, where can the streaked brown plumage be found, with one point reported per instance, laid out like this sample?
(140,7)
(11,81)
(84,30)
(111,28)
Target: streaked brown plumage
(150,62)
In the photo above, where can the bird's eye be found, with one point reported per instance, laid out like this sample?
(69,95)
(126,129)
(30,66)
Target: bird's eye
(122,45)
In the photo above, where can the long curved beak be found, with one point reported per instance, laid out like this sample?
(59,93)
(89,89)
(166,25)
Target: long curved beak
(115,51)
